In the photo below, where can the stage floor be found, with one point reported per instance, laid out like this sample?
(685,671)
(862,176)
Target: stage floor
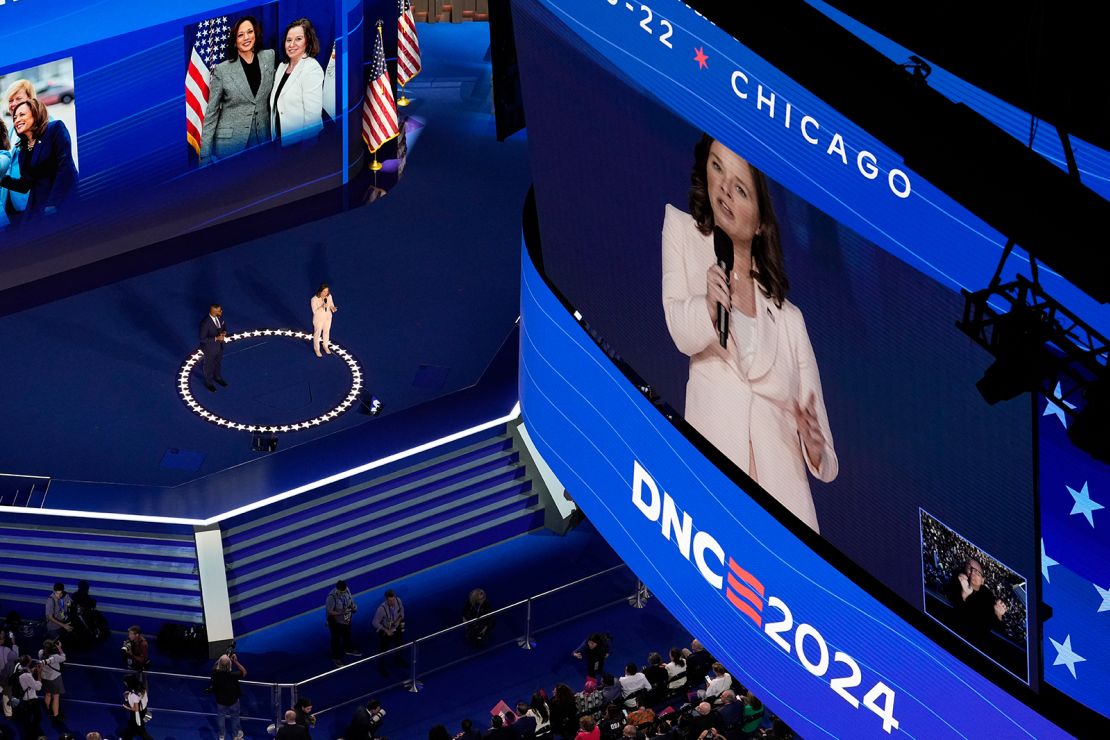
(427,284)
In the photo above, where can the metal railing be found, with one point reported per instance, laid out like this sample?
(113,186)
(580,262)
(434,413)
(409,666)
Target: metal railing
(515,625)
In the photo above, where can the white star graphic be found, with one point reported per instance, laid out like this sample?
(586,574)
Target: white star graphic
(1052,409)
(1046,563)
(1065,655)
(1105,594)
(1083,503)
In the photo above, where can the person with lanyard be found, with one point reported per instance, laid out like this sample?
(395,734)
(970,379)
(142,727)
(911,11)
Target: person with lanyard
(341,607)
(389,622)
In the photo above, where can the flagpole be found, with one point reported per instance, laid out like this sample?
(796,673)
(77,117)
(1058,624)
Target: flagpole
(376,165)
(403,101)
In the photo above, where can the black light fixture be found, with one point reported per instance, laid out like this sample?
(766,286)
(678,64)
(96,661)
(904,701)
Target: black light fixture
(264,442)
(1018,341)
(371,404)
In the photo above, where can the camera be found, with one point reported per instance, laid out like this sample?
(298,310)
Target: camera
(230,651)
(126,647)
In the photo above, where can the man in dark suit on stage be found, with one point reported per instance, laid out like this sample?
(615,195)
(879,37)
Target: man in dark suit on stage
(213,334)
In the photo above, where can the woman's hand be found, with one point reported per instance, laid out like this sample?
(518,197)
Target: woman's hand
(810,430)
(716,291)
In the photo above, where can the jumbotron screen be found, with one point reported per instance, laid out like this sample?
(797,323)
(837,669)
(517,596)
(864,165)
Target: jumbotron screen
(779,288)
(123,124)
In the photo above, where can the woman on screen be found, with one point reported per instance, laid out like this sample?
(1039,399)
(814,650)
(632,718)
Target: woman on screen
(754,390)
(297,98)
(238,114)
(42,167)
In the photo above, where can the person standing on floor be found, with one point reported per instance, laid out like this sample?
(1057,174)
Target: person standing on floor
(323,306)
(213,336)
(341,607)
(226,675)
(389,623)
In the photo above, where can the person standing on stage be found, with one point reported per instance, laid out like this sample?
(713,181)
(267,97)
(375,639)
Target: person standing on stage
(341,607)
(213,335)
(389,622)
(323,306)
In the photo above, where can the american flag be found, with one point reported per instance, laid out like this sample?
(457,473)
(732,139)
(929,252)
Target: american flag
(209,47)
(379,111)
(408,46)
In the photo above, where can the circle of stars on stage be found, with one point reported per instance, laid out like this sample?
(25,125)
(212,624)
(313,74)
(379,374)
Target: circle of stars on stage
(351,399)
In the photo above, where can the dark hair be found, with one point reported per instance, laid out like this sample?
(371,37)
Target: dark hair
(136,629)
(677,657)
(312,41)
(340,585)
(304,702)
(563,693)
(213,305)
(322,288)
(373,704)
(631,669)
(769,267)
(539,706)
(59,586)
(42,117)
(439,732)
(608,680)
(389,592)
(134,683)
(655,659)
(5,140)
(232,49)
(496,721)
(466,725)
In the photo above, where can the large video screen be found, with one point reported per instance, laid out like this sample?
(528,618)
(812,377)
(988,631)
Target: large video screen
(124,124)
(786,291)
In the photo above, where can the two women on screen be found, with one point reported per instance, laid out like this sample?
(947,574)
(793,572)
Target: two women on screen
(252,100)
(754,390)
(297,99)
(323,306)
(40,176)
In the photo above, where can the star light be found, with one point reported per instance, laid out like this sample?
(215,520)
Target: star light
(1046,563)
(701,58)
(1065,655)
(1052,409)
(1083,503)
(1105,594)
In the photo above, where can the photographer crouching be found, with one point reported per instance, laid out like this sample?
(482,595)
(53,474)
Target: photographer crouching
(226,675)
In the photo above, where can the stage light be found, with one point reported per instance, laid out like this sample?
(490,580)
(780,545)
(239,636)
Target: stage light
(1090,428)
(264,442)
(1023,360)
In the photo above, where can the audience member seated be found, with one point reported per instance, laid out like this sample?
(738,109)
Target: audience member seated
(731,711)
(497,729)
(657,676)
(701,719)
(676,672)
(612,722)
(777,731)
(564,711)
(643,714)
(439,732)
(610,689)
(541,713)
(633,684)
(753,714)
(720,681)
(525,725)
(468,732)
(588,729)
(698,664)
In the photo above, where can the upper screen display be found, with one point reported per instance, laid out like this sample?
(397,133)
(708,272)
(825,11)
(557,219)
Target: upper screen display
(121,141)
(781,282)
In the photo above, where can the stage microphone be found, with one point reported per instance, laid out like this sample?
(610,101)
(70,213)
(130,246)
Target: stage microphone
(722,248)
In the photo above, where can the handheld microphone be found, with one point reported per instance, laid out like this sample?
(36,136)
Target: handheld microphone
(722,248)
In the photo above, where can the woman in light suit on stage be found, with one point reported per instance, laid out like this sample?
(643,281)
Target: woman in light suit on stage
(238,114)
(297,97)
(758,399)
(323,306)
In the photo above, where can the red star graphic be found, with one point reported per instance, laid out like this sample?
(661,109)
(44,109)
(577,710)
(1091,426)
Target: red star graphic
(701,58)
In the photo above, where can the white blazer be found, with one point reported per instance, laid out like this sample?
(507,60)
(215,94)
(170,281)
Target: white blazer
(743,414)
(301,101)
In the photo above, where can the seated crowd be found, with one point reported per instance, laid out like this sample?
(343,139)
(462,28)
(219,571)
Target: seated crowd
(691,697)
